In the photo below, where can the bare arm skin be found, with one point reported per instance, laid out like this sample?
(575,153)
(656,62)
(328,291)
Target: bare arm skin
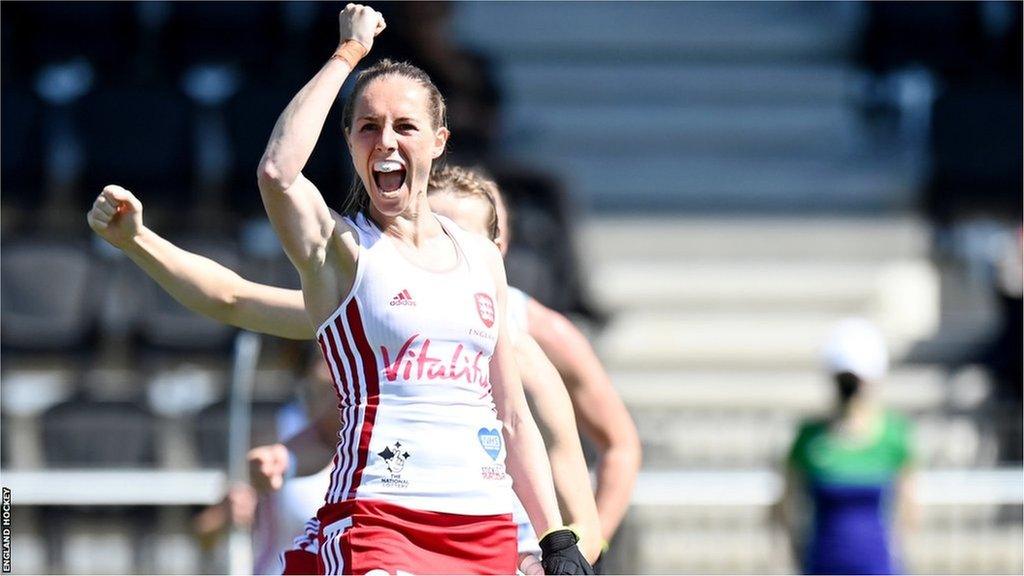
(198,283)
(551,408)
(526,460)
(321,246)
(907,509)
(600,412)
(312,447)
(787,514)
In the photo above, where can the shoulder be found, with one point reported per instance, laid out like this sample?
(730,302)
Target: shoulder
(809,429)
(518,295)
(897,426)
(478,249)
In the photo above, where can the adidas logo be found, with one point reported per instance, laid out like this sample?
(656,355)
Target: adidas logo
(403,298)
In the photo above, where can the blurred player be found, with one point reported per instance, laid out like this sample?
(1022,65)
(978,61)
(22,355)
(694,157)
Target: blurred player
(852,466)
(277,516)
(601,414)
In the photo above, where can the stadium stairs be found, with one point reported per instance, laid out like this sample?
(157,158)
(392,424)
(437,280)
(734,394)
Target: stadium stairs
(739,205)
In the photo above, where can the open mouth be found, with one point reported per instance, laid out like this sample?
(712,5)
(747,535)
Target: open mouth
(388,175)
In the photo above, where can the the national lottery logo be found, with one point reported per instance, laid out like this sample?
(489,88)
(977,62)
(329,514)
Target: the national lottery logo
(394,457)
(485,308)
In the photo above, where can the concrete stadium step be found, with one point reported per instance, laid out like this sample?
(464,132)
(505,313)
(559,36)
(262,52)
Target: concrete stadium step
(735,285)
(990,550)
(995,550)
(707,551)
(696,439)
(652,340)
(793,392)
(721,520)
(675,238)
(657,30)
(585,83)
(543,131)
(674,181)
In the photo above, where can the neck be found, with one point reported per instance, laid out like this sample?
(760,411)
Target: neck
(414,225)
(857,410)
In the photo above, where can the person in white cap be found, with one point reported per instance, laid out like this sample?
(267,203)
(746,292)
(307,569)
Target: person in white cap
(854,467)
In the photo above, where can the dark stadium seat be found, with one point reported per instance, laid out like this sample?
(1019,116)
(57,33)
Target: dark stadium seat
(100,32)
(540,209)
(48,296)
(88,433)
(21,172)
(139,137)
(243,33)
(976,147)
(211,426)
(251,117)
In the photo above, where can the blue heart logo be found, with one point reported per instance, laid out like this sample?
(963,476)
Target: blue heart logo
(490,440)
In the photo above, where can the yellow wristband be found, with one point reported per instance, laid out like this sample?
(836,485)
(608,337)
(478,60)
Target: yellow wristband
(604,546)
(570,528)
(350,52)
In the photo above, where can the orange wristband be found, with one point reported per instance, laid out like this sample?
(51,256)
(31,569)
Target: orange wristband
(350,52)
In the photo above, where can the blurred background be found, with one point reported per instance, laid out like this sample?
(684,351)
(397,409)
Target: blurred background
(704,187)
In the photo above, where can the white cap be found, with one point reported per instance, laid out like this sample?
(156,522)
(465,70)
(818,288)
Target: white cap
(855,345)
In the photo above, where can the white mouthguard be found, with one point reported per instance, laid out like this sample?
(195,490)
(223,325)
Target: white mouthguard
(387,166)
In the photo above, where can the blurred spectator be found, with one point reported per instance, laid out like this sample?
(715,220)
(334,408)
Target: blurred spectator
(278,517)
(1003,355)
(849,466)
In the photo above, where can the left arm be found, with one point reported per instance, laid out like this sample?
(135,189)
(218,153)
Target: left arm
(552,410)
(906,501)
(526,459)
(600,412)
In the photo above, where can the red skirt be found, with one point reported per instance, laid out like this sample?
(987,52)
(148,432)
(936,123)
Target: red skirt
(360,536)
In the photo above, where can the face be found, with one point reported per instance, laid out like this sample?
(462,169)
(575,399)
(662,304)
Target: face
(393,142)
(472,214)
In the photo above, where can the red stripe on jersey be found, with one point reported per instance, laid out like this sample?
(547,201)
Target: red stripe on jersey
(334,362)
(343,489)
(370,373)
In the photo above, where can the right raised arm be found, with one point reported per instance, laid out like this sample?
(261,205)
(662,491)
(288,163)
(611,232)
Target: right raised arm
(198,283)
(296,208)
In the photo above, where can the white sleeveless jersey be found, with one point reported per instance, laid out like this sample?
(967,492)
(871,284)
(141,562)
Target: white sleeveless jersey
(515,310)
(409,351)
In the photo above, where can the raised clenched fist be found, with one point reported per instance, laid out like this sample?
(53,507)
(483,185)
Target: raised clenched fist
(360,23)
(116,215)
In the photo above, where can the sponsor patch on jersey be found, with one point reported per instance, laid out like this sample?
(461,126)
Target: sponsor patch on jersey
(490,441)
(485,308)
(403,298)
(482,334)
(495,472)
(394,458)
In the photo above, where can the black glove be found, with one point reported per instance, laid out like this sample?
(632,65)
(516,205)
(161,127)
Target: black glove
(560,555)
